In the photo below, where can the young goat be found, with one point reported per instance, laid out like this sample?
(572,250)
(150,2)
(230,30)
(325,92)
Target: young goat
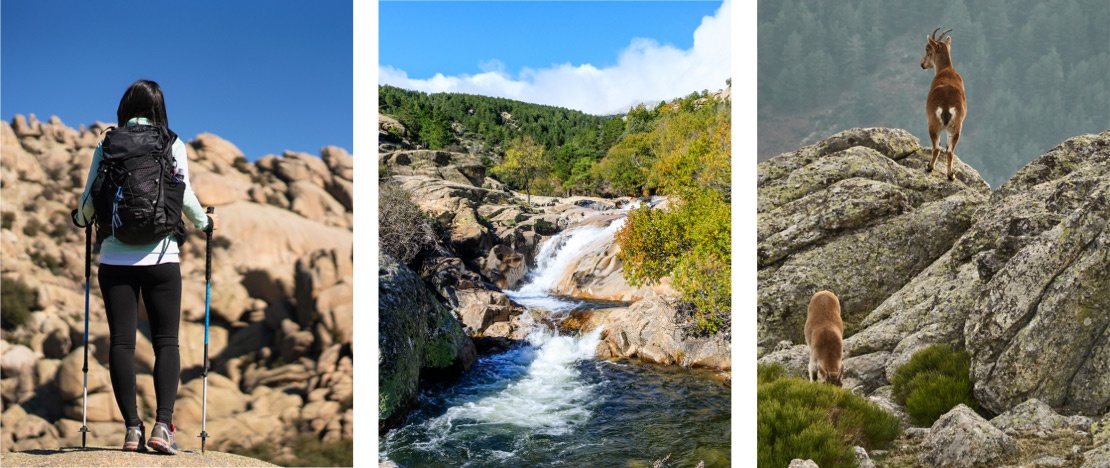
(946,105)
(824,337)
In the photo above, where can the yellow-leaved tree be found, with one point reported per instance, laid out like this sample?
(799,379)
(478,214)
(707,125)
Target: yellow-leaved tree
(523,164)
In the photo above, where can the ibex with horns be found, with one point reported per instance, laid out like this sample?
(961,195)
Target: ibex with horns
(946,105)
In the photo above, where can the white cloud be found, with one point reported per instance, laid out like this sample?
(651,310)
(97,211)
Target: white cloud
(645,72)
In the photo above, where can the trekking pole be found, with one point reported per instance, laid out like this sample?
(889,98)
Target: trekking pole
(207,296)
(85,367)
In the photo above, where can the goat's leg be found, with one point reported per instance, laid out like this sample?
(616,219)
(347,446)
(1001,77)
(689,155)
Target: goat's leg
(933,135)
(953,137)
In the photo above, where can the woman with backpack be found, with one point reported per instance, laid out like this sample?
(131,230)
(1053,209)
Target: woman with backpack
(138,189)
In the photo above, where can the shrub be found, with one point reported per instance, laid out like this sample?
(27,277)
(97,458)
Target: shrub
(692,244)
(403,231)
(807,420)
(934,381)
(16,302)
(31,229)
(7,219)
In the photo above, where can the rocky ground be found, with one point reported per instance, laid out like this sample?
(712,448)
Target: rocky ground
(281,306)
(1018,277)
(491,239)
(100,456)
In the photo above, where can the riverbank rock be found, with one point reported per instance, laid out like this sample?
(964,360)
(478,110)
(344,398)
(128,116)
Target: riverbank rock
(963,438)
(855,214)
(653,330)
(417,336)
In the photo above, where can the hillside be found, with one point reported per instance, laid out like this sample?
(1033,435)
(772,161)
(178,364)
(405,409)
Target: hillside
(1035,73)
(281,307)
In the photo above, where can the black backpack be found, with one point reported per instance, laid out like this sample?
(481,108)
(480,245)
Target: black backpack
(137,193)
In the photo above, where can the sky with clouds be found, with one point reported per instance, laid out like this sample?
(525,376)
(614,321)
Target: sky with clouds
(598,57)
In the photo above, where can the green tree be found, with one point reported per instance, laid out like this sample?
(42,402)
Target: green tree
(523,163)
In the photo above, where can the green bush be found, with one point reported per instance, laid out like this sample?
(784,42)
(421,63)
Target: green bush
(934,381)
(16,302)
(7,219)
(32,227)
(807,420)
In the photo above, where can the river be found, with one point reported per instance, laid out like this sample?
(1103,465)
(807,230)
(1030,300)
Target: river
(550,402)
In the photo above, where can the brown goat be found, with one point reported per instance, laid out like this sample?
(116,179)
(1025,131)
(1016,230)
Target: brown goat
(946,105)
(824,337)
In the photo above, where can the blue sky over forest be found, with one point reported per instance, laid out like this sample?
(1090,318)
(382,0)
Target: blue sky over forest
(597,57)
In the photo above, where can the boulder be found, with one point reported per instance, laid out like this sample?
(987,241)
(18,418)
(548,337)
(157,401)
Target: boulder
(1037,417)
(417,335)
(70,379)
(846,215)
(963,438)
(653,330)
(1037,325)
(214,150)
(504,267)
(1098,457)
(481,308)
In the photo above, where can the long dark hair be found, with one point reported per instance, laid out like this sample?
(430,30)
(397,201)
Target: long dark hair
(142,99)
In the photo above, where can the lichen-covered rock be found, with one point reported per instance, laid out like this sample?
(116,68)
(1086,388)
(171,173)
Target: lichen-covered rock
(1019,289)
(1038,327)
(855,214)
(1098,457)
(416,334)
(799,463)
(1036,416)
(652,331)
(963,438)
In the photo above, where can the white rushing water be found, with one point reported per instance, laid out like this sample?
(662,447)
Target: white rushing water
(548,396)
(555,255)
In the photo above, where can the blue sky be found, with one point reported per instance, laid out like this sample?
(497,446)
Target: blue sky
(267,77)
(598,57)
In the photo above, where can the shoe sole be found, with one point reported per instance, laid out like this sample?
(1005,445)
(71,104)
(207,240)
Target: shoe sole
(161,446)
(134,447)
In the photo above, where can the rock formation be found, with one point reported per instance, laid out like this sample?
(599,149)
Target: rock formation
(1018,277)
(282,288)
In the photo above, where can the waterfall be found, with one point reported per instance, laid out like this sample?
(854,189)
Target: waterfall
(552,261)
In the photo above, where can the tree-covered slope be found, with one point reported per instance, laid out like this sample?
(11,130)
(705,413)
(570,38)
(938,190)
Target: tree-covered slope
(1035,73)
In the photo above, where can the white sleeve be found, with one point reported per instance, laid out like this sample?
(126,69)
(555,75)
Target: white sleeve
(191,207)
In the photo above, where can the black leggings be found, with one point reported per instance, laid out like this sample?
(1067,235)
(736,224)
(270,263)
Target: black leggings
(160,286)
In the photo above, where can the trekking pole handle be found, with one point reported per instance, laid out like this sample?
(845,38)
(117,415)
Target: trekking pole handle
(208,246)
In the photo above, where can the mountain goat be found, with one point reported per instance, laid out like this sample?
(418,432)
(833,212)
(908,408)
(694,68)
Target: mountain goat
(946,105)
(824,336)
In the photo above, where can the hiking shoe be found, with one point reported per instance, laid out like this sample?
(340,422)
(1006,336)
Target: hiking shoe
(161,438)
(135,441)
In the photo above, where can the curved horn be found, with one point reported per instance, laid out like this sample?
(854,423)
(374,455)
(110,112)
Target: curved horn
(934,34)
(943,33)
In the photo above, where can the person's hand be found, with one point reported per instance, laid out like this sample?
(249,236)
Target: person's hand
(213,222)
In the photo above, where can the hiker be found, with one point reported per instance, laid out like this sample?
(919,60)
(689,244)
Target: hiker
(139,249)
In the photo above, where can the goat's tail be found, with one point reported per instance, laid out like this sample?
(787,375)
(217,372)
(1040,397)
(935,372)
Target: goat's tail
(946,115)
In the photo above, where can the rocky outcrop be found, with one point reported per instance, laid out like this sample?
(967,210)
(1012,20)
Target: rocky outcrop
(1018,280)
(281,302)
(855,214)
(1019,289)
(417,337)
(653,331)
(105,456)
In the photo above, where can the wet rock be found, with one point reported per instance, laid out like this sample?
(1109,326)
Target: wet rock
(416,335)
(652,330)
